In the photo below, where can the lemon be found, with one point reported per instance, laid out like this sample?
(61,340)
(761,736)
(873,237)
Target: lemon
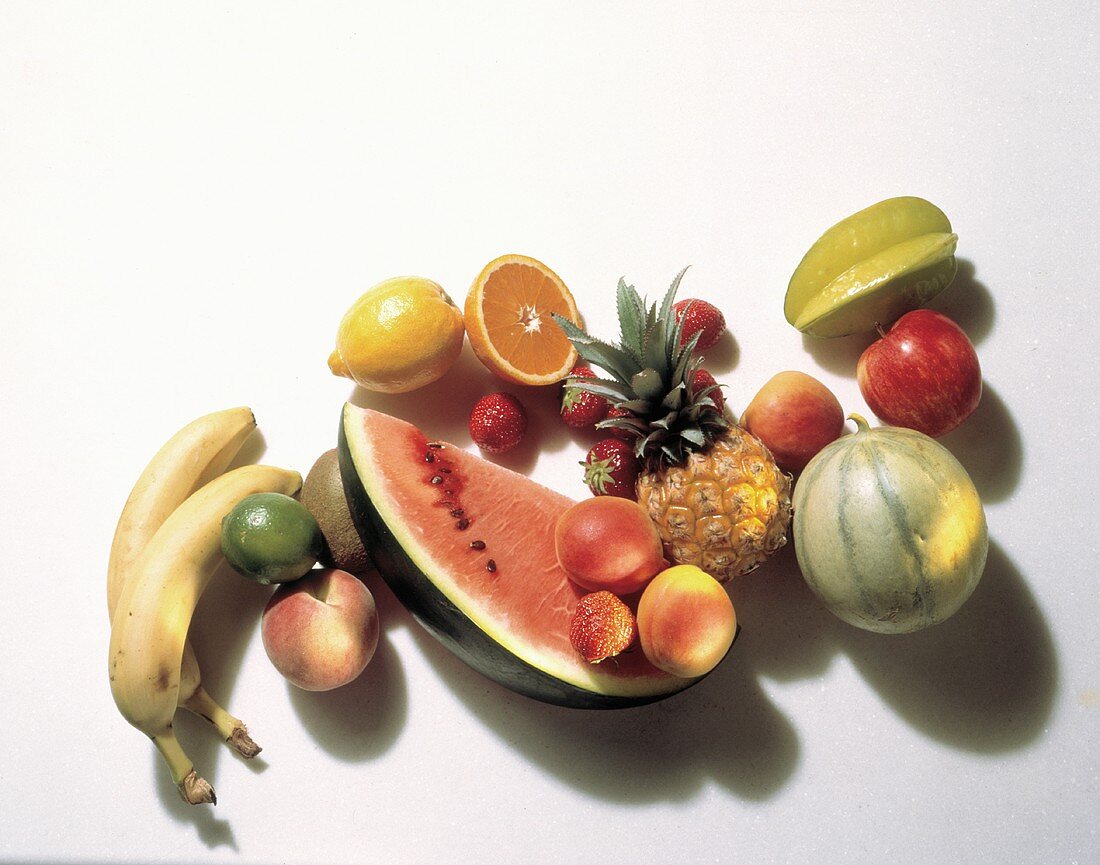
(400,335)
(871,268)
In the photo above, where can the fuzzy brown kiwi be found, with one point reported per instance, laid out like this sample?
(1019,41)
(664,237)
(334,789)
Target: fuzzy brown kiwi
(323,494)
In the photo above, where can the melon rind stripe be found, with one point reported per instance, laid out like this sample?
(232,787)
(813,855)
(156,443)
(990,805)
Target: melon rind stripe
(597,686)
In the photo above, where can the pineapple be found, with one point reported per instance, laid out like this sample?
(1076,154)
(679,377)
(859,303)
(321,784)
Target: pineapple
(713,490)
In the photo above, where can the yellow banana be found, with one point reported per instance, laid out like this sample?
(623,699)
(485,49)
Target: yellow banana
(150,622)
(196,454)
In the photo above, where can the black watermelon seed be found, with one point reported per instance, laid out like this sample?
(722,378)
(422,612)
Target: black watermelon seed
(462,524)
(491,566)
(477,545)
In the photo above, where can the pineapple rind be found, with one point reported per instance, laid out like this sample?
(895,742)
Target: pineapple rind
(725,510)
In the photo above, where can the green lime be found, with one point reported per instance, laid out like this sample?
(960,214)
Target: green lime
(271,538)
(871,268)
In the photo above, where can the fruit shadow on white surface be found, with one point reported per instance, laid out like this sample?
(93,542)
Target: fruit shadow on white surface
(988,443)
(984,681)
(442,411)
(227,618)
(361,720)
(220,643)
(967,301)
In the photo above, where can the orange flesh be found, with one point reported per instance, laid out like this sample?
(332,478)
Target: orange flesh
(528,595)
(516,305)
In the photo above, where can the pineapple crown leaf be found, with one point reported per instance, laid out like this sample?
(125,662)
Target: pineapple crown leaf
(651,376)
(674,399)
(694,435)
(632,425)
(611,358)
(604,387)
(647,384)
(632,319)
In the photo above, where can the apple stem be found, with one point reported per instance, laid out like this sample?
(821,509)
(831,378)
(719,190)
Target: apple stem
(881,332)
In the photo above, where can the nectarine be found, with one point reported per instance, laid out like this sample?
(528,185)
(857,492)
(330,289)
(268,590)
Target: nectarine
(321,631)
(608,544)
(795,415)
(686,621)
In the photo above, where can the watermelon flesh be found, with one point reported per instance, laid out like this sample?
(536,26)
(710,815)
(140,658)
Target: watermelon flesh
(468,547)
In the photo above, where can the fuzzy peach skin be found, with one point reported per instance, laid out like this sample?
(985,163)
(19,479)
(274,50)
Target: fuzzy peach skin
(795,415)
(686,621)
(608,543)
(321,631)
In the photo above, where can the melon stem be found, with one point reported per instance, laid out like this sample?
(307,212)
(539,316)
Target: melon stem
(861,423)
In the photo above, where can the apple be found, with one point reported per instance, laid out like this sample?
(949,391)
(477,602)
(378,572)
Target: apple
(795,416)
(321,631)
(922,374)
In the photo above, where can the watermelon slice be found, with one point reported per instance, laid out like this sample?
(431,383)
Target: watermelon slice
(468,547)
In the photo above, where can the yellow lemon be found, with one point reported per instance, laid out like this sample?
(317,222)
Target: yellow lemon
(400,335)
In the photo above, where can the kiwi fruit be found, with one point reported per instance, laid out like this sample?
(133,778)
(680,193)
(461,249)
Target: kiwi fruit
(323,494)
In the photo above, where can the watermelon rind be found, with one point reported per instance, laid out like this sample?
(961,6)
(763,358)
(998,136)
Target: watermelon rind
(421,585)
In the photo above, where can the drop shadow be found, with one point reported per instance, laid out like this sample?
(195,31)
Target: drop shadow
(220,633)
(722,357)
(363,719)
(839,355)
(213,831)
(442,408)
(724,729)
(546,432)
(989,444)
(442,411)
(254,447)
(968,302)
(983,681)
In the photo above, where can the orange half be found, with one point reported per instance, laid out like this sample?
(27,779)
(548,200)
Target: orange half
(509,324)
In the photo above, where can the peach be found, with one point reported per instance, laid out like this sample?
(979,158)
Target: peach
(609,544)
(321,631)
(795,415)
(686,622)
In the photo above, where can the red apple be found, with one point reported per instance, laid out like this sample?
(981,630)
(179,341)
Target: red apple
(922,374)
(321,631)
(795,415)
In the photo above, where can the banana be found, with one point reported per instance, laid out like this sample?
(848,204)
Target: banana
(150,622)
(196,454)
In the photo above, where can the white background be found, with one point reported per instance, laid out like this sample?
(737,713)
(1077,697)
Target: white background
(192,194)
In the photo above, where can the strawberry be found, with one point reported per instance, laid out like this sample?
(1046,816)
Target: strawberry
(579,408)
(602,626)
(610,469)
(702,381)
(702,318)
(498,422)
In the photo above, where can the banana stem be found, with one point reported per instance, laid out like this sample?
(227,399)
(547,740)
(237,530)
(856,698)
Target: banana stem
(193,789)
(232,730)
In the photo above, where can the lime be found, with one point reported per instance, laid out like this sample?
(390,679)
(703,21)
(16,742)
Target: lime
(271,538)
(871,268)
